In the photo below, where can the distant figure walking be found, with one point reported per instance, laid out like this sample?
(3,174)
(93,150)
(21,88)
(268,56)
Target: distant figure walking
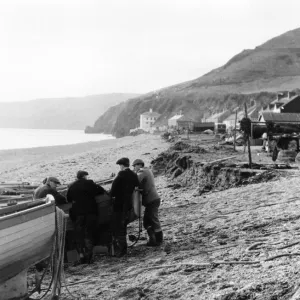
(121,192)
(49,186)
(81,194)
(151,201)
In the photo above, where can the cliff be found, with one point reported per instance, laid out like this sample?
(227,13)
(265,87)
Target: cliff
(255,74)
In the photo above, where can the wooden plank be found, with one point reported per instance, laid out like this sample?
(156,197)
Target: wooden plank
(22,206)
(48,219)
(27,252)
(30,234)
(221,159)
(24,252)
(15,267)
(14,250)
(27,198)
(27,215)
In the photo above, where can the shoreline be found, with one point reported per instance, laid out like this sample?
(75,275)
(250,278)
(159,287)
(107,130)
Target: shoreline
(63,161)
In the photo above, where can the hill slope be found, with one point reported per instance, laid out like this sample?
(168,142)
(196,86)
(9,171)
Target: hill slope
(271,67)
(58,113)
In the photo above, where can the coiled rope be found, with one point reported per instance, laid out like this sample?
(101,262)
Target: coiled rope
(56,261)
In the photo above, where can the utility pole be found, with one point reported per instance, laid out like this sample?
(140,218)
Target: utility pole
(234,131)
(248,140)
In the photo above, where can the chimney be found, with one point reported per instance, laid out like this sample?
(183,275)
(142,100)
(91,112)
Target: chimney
(280,96)
(180,113)
(150,110)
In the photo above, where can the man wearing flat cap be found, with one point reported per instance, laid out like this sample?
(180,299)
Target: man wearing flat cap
(151,201)
(81,193)
(49,186)
(121,192)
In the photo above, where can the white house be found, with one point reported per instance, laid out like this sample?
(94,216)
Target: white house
(147,119)
(172,122)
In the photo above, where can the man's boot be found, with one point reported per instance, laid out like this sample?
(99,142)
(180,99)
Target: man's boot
(121,248)
(159,237)
(152,238)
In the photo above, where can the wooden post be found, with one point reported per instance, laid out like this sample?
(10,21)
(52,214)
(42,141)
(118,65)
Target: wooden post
(248,141)
(234,139)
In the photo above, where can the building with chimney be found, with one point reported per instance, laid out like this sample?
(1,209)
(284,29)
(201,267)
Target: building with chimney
(285,102)
(147,119)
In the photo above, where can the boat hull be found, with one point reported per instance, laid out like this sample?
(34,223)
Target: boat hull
(26,237)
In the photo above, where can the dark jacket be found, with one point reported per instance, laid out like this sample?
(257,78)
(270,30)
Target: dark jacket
(45,189)
(82,193)
(122,189)
(147,184)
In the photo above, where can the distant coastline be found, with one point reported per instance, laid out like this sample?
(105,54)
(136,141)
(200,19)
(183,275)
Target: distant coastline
(20,138)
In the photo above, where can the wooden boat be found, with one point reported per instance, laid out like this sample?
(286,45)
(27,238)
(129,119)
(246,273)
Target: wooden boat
(26,237)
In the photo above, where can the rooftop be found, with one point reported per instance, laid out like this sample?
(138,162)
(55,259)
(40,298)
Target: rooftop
(281,117)
(284,101)
(150,114)
(185,119)
(176,117)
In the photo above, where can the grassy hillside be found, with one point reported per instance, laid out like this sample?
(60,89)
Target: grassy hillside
(255,74)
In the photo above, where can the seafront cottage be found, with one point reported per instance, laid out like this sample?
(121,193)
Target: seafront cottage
(185,123)
(172,122)
(286,102)
(230,120)
(218,117)
(147,119)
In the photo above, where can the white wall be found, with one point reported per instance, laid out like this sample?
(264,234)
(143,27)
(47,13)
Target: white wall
(146,122)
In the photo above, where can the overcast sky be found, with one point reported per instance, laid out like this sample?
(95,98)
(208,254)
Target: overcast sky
(58,48)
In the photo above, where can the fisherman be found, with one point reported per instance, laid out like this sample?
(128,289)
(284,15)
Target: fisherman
(151,201)
(81,193)
(121,191)
(49,186)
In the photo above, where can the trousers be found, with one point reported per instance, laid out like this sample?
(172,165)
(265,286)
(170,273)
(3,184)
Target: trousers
(151,216)
(85,230)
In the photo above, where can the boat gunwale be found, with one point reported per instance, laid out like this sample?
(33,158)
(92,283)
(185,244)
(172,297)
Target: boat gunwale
(49,201)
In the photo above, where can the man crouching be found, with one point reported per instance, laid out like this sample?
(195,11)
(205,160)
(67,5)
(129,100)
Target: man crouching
(151,201)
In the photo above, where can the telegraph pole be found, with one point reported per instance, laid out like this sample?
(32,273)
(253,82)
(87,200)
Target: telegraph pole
(234,131)
(248,140)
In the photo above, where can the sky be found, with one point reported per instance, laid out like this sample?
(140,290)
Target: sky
(60,48)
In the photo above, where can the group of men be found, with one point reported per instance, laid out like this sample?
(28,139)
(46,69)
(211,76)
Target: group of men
(81,196)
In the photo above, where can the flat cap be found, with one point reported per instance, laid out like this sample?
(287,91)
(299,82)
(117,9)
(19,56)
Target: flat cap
(123,161)
(53,179)
(138,162)
(81,173)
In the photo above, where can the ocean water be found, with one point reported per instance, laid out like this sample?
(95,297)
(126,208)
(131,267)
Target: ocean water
(13,138)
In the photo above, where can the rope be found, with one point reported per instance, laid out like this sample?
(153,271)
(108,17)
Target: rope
(56,261)
(140,220)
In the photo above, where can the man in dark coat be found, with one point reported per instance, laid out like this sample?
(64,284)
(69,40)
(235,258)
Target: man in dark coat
(121,192)
(81,194)
(49,186)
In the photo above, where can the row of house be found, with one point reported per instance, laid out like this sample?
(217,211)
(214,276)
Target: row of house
(286,103)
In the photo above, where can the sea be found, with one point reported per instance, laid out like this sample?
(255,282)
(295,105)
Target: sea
(14,138)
